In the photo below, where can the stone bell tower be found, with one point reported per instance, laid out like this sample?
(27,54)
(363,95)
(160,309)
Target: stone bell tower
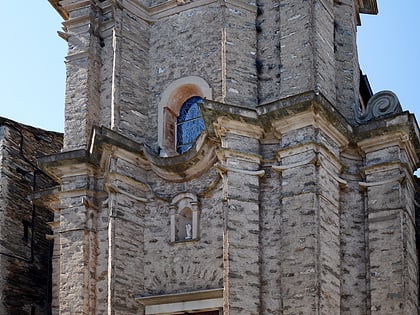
(227,157)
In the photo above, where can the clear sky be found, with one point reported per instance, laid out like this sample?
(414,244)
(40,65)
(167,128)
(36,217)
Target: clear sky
(32,72)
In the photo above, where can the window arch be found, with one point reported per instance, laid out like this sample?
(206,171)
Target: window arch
(175,96)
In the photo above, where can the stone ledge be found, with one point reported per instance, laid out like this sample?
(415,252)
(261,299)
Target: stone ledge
(180,297)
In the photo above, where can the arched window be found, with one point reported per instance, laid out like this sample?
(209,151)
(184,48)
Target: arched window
(177,105)
(189,124)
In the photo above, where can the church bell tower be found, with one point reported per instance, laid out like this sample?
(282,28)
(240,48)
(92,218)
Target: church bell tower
(227,157)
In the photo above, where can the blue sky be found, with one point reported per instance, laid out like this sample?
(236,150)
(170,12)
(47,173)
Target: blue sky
(32,75)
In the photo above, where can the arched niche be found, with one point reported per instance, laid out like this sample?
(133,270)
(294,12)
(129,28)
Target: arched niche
(185,216)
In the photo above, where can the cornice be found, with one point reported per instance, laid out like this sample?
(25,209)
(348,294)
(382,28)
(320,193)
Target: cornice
(367,6)
(224,125)
(172,7)
(193,163)
(398,138)
(400,129)
(311,117)
(149,14)
(276,118)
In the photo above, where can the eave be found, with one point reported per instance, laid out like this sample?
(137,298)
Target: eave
(368,6)
(56,5)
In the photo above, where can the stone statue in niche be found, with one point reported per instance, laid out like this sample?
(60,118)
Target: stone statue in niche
(188,230)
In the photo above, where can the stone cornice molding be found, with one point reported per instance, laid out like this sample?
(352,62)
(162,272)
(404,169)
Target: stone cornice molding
(76,193)
(310,160)
(342,182)
(172,7)
(114,180)
(311,117)
(382,167)
(367,6)
(116,190)
(396,179)
(398,138)
(315,149)
(70,5)
(269,119)
(226,153)
(74,23)
(66,164)
(148,14)
(193,163)
(103,137)
(224,169)
(318,156)
(81,55)
(224,125)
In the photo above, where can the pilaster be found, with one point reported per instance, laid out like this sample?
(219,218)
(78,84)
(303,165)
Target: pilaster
(239,164)
(78,246)
(125,248)
(389,193)
(306,49)
(347,69)
(82,67)
(239,49)
(310,179)
(353,238)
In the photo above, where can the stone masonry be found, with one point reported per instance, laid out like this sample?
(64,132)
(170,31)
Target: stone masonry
(25,253)
(297,198)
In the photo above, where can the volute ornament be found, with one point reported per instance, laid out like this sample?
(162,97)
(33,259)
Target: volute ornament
(381,104)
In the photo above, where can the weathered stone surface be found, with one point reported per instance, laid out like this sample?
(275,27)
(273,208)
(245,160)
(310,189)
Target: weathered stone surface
(25,253)
(294,207)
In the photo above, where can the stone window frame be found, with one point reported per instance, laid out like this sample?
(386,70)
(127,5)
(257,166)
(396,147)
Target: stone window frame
(184,203)
(173,97)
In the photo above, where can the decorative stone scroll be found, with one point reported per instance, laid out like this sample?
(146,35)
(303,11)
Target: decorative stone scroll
(381,104)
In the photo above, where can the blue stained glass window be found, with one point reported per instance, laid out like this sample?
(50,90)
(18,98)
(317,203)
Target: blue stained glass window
(189,124)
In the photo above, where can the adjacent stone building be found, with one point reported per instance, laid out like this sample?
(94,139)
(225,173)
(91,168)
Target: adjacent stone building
(25,253)
(228,157)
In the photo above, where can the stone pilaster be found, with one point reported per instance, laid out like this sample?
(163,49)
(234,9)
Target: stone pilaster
(347,70)
(240,165)
(75,224)
(129,108)
(270,230)
(126,205)
(239,48)
(78,246)
(389,193)
(353,225)
(82,66)
(55,264)
(306,48)
(310,213)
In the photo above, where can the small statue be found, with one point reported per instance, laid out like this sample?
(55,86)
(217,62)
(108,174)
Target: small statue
(188,229)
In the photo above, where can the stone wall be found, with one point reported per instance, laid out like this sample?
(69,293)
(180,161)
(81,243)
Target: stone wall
(25,253)
(296,204)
